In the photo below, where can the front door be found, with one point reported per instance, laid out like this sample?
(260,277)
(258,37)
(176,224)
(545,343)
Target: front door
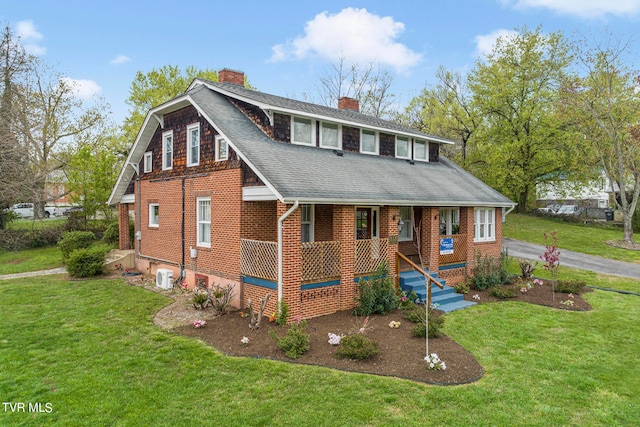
(367,226)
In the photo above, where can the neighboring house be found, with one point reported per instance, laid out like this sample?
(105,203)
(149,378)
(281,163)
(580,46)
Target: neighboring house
(274,195)
(595,194)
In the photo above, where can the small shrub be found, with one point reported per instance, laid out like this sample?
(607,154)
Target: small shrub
(86,262)
(378,294)
(417,315)
(462,288)
(111,233)
(570,286)
(502,292)
(357,346)
(407,301)
(73,240)
(283,314)
(220,297)
(489,271)
(295,342)
(414,313)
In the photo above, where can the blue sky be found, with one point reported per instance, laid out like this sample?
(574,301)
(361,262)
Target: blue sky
(284,46)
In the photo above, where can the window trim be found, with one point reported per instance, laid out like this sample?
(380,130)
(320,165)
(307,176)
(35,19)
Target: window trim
(311,222)
(322,145)
(164,151)
(376,136)
(313,131)
(152,223)
(449,214)
(426,149)
(490,232)
(199,242)
(190,128)
(218,158)
(409,147)
(148,162)
(408,224)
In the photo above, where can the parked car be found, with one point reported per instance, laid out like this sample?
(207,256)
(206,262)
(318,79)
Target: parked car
(72,210)
(25,210)
(569,210)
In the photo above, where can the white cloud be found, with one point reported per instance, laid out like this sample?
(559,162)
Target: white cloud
(485,43)
(29,38)
(582,8)
(354,34)
(120,59)
(83,89)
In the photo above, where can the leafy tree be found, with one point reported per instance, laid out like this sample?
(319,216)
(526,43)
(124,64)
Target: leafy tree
(604,102)
(369,84)
(154,88)
(523,139)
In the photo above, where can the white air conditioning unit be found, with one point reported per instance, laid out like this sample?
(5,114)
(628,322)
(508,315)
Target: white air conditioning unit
(164,278)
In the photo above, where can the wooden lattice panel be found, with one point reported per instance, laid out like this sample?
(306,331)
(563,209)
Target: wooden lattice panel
(370,254)
(459,250)
(320,260)
(259,259)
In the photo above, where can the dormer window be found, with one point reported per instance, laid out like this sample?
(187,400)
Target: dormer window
(330,135)
(420,150)
(403,147)
(368,141)
(302,131)
(193,144)
(222,149)
(167,150)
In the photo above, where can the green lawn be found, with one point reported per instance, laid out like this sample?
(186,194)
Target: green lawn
(588,239)
(89,348)
(30,260)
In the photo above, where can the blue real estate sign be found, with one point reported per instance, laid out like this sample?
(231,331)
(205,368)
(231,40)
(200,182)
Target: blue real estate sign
(446,245)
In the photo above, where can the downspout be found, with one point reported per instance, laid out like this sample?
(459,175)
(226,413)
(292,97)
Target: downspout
(280,250)
(182,269)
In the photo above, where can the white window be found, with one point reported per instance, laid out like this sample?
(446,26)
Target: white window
(193,144)
(449,221)
(306,223)
(403,148)
(330,135)
(368,141)
(302,131)
(154,215)
(405,234)
(167,150)
(204,221)
(148,162)
(222,149)
(420,150)
(484,225)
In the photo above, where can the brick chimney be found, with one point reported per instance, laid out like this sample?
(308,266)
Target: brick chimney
(227,75)
(346,103)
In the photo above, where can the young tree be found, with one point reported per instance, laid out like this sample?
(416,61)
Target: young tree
(516,89)
(604,101)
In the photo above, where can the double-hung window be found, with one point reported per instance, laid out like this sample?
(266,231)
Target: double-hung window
(167,150)
(368,141)
(302,131)
(193,144)
(154,215)
(330,135)
(449,221)
(403,148)
(405,232)
(484,225)
(306,223)
(203,219)
(148,162)
(420,150)
(222,149)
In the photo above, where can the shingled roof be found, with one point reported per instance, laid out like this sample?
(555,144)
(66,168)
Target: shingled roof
(312,175)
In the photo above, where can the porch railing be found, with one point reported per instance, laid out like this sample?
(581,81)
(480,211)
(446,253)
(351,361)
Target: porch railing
(459,250)
(370,253)
(259,259)
(320,260)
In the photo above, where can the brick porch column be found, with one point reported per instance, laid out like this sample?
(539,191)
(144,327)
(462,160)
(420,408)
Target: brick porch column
(291,259)
(124,239)
(344,226)
(389,230)
(430,237)
(467,228)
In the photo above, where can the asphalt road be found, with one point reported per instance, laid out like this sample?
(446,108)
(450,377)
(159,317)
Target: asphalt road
(519,249)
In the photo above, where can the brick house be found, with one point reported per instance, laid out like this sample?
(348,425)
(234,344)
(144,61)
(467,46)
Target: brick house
(231,185)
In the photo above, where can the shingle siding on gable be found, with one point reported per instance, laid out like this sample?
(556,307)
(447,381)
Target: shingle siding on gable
(257,116)
(387,145)
(282,127)
(434,152)
(350,139)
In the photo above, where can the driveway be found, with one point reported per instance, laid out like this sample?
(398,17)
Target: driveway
(519,249)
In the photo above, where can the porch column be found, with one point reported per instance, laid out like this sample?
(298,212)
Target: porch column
(430,237)
(389,217)
(124,239)
(344,226)
(291,259)
(467,227)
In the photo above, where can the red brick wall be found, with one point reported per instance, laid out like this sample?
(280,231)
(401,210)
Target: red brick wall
(323,230)
(124,239)
(344,222)
(259,221)
(291,256)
